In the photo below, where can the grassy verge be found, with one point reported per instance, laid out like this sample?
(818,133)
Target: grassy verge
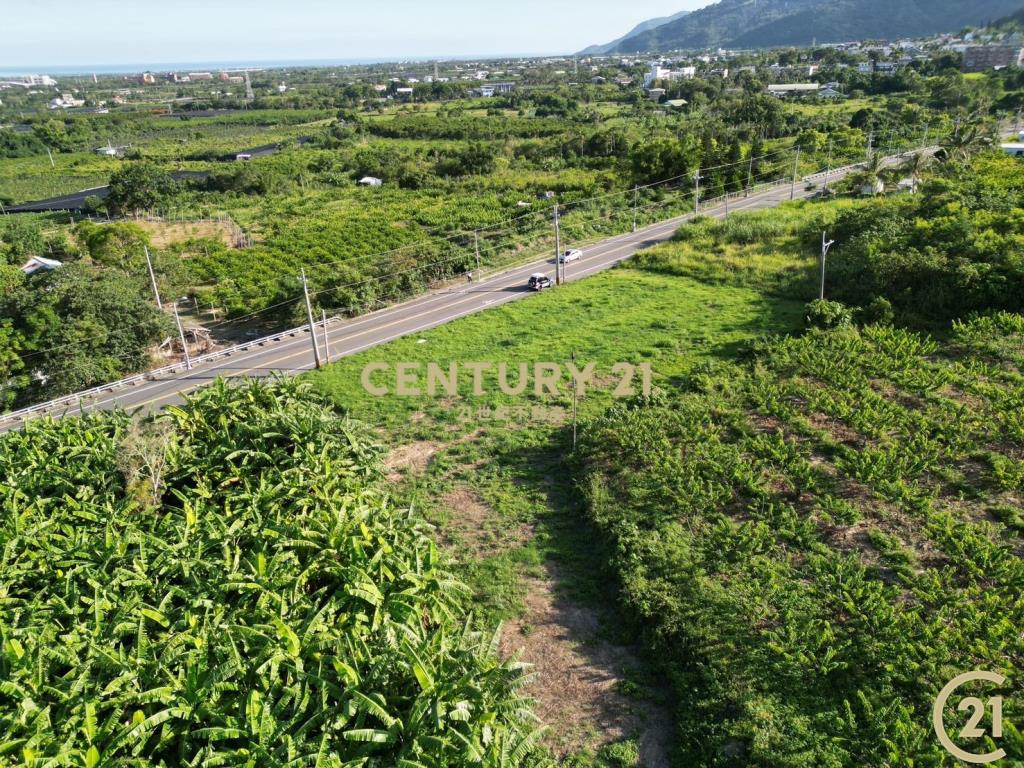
(496,486)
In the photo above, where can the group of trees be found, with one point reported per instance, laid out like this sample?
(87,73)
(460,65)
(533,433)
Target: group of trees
(89,321)
(952,249)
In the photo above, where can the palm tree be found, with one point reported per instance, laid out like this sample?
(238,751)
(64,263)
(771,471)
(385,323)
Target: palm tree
(965,144)
(870,174)
(914,167)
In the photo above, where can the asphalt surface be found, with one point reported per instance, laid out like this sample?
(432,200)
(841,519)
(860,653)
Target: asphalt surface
(293,355)
(76,200)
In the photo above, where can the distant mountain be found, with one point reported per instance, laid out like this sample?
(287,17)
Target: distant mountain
(769,23)
(643,26)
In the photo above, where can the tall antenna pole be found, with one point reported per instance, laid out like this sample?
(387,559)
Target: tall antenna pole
(575,395)
(181,335)
(476,249)
(796,171)
(327,343)
(828,166)
(636,190)
(309,316)
(558,248)
(825,245)
(152,278)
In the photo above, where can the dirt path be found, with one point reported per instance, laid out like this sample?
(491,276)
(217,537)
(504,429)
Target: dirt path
(578,676)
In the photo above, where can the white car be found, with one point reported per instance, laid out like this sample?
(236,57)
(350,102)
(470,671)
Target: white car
(572,255)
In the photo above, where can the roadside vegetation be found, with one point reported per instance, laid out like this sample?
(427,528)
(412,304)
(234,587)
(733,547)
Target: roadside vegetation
(467,184)
(777,559)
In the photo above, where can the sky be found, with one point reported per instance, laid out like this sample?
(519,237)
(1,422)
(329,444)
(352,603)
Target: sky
(110,32)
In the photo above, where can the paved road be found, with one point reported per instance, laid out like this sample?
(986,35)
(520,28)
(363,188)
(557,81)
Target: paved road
(76,200)
(294,354)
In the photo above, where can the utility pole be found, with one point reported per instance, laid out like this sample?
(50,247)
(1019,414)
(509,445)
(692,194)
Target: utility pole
(828,167)
(327,343)
(558,248)
(476,249)
(309,316)
(796,171)
(152,278)
(825,245)
(696,193)
(871,141)
(750,172)
(727,203)
(927,130)
(636,190)
(181,335)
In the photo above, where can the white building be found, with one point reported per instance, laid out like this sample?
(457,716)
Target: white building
(65,101)
(794,89)
(371,181)
(29,81)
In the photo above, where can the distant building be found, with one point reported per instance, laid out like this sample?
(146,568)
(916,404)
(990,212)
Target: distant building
(982,58)
(148,78)
(404,93)
(371,181)
(194,76)
(39,264)
(656,73)
(655,94)
(794,89)
(1015,148)
(29,81)
(676,103)
(65,101)
(494,88)
(830,93)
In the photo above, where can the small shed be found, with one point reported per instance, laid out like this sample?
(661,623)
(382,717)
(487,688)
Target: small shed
(40,264)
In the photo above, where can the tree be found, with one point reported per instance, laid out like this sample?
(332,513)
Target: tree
(139,187)
(12,378)
(23,237)
(914,167)
(117,245)
(83,326)
(965,143)
(659,159)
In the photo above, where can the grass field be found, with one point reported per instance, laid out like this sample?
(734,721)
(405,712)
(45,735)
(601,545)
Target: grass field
(787,552)
(496,486)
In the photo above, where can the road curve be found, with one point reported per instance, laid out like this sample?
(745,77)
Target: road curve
(294,354)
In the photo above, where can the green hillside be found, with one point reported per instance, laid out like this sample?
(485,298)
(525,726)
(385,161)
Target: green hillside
(766,23)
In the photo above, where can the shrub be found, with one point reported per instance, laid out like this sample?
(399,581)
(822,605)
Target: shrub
(827,314)
(227,586)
